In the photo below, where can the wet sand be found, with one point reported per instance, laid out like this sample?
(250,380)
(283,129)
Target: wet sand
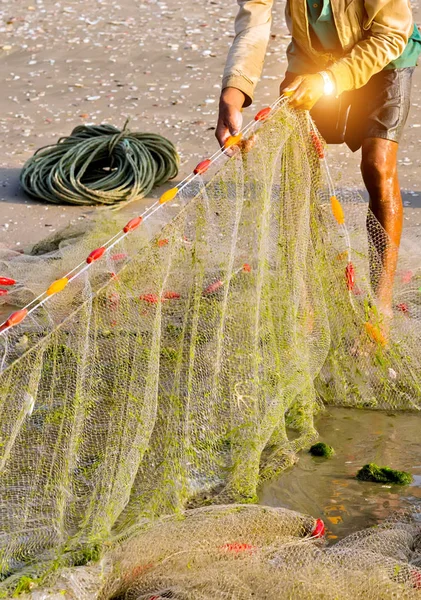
(328,487)
(158,63)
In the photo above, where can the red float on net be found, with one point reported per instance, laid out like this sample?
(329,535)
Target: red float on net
(350,276)
(213,287)
(14,319)
(132,225)
(318,529)
(263,114)
(95,255)
(7,281)
(202,167)
(416,579)
(121,256)
(237,547)
(170,296)
(150,298)
(318,144)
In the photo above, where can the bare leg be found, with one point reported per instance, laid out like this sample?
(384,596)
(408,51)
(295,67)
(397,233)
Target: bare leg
(379,171)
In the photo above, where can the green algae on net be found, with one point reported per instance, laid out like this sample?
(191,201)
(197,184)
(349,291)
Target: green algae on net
(142,385)
(372,472)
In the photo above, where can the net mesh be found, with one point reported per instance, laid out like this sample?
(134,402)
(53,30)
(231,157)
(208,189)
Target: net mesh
(188,363)
(244,552)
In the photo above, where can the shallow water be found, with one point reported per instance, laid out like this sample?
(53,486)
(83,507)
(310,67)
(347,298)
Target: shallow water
(327,488)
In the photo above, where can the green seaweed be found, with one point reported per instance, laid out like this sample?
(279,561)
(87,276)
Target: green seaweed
(25,584)
(322,449)
(85,555)
(372,472)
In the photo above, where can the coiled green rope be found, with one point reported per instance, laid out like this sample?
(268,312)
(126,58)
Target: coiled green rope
(99,164)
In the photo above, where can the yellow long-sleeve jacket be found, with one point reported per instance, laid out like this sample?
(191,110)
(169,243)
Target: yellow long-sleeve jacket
(372,33)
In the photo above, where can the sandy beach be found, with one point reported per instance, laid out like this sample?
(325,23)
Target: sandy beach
(157,63)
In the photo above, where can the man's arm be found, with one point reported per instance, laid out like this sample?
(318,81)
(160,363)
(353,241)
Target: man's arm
(245,59)
(388,28)
(244,64)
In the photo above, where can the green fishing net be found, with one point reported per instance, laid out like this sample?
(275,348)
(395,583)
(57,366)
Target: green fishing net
(186,364)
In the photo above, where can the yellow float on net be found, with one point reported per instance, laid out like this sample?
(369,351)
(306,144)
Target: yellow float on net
(233,140)
(57,286)
(375,334)
(168,195)
(337,210)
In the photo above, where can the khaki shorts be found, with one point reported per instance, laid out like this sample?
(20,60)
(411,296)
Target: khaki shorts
(379,109)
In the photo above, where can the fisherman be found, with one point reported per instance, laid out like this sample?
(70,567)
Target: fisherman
(350,63)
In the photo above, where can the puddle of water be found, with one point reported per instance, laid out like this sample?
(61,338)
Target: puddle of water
(327,488)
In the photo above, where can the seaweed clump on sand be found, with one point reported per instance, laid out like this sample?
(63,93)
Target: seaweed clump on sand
(372,472)
(322,449)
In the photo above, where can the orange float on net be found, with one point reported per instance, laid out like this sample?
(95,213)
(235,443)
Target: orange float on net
(337,210)
(132,225)
(342,255)
(7,281)
(162,243)
(202,167)
(375,334)
(246,268)
(3,292)
(95,255)
(168,195)
(263,114)
(14,319)
(57,286)
(233,140)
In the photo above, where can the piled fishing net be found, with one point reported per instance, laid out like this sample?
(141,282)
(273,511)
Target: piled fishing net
(184,360)
(244,552)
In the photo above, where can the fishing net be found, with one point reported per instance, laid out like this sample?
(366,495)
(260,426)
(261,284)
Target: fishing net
(244,552)
(184,361)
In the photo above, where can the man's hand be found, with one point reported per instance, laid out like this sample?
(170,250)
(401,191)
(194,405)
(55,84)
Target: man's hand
(230,118)
(304,91)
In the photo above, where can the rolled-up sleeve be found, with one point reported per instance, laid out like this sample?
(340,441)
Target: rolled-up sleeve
(389,24)
(246,56)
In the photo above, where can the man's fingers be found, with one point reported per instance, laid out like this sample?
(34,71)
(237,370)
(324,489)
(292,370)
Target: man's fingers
(222,134)
(296,98)
(230,122)
(290,89)
(301,98)
(307,93)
